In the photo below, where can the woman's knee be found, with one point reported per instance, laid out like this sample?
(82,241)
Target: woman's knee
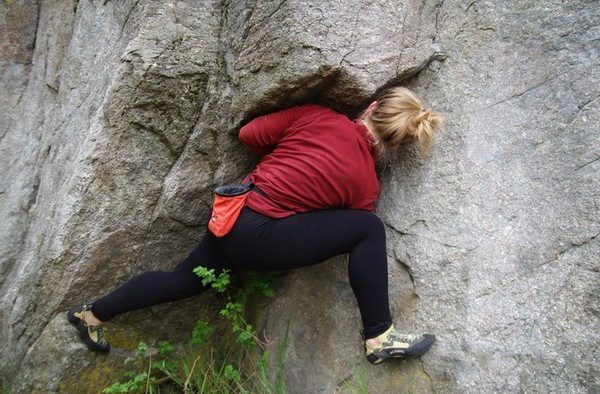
(373,225)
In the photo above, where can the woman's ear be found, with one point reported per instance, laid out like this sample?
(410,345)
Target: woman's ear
(367,112)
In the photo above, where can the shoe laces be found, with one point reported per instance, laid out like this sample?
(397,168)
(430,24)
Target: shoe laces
(96,332)
(99,331)
(404,337)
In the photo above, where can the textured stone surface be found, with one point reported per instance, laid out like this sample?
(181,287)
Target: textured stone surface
(118,118)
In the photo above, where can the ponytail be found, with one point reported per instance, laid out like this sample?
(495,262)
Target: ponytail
(399,118)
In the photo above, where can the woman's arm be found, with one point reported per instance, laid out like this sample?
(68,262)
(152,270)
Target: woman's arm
(264,132)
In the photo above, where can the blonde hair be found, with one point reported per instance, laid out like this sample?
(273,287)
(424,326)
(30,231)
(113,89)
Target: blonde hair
(399,118)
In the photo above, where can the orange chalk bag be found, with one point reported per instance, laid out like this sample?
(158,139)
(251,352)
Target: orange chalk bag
(227,205)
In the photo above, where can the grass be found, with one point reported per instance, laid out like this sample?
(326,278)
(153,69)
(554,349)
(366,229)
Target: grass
(203,368)
(211,363)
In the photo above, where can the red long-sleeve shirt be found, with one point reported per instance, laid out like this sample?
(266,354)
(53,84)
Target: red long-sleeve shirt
(313,158)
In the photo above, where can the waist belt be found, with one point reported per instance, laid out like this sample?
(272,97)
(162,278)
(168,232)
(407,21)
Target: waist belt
(257,190)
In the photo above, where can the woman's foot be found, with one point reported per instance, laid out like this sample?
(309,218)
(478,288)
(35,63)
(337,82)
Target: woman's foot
(393,344)
(89,327)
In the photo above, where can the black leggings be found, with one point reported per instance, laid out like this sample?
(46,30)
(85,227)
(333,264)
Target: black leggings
(258,242)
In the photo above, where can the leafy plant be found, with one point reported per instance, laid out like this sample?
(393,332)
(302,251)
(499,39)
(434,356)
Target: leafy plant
(358,383)
(208,364)
(4,387)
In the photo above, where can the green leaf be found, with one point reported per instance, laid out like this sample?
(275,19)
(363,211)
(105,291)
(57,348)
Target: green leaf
(165,348)
(200,333)
(142,348)
(231,373)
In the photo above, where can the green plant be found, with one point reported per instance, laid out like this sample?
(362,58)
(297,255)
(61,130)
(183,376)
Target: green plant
(236,303)
(208,364)
(357,383)
(4,387)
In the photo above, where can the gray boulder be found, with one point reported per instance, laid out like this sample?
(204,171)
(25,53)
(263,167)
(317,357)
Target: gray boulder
(118,119)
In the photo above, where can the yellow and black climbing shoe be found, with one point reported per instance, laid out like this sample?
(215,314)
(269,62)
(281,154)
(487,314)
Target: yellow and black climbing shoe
(93,336)
(394,344)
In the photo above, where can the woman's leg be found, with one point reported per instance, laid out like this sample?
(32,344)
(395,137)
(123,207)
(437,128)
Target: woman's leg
(261,243)
(156,287)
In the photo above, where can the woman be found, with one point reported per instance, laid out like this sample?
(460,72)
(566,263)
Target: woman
(315,190)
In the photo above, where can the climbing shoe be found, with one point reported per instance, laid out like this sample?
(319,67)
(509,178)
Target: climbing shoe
(394,344)
(93,336)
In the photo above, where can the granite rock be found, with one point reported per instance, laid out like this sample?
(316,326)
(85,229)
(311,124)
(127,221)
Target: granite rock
(118,118)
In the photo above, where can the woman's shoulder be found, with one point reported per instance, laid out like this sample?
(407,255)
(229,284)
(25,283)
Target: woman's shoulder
(311,113)
(313,107)
(317,111)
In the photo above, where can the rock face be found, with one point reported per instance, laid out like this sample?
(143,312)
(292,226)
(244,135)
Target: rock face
(118,118)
